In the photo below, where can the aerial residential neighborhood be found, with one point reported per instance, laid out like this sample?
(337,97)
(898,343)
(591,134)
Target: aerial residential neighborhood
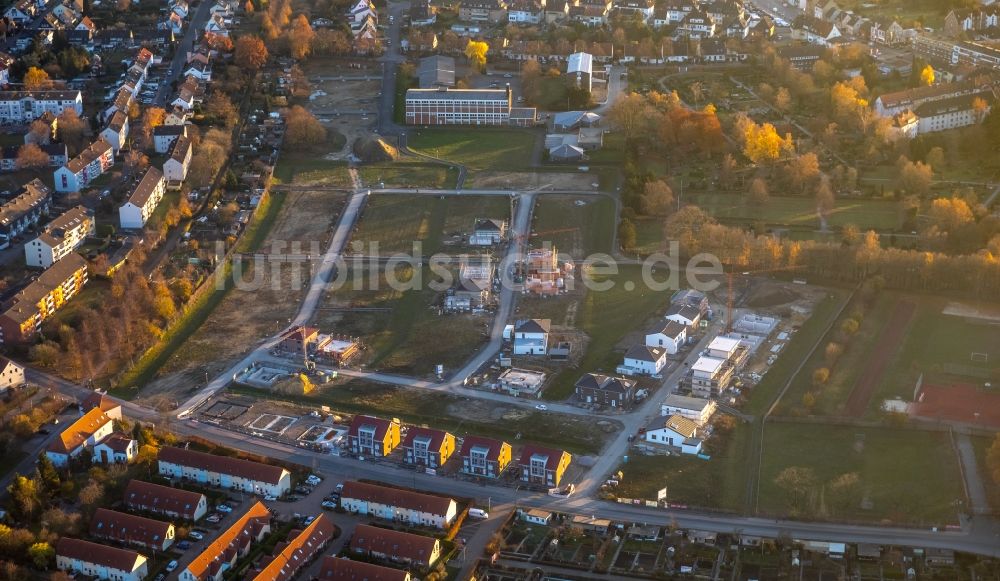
(499,290)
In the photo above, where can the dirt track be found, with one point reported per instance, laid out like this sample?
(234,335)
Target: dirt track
(888,342)
(959,403)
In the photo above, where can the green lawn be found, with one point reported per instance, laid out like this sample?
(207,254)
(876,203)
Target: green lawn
(607,316)
(396,221)
(801,211)
(982,445)
(907,476)
(718,483)
(795,351)
(302,168)
(576,230)
(552,94)
(447,412)
(935,343)
(409,175)
(477,149)
(831,398)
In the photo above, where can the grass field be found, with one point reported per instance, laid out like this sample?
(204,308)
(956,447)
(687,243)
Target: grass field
(576,230)
(607,316)
(409,175)
(395,222)
(461,416)
(764,393)
(477,149)
(801,211)
(887,464)
(718,483)
(934,343)
(830,399)
(299,168)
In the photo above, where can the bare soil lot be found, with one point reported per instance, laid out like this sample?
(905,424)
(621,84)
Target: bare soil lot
(258,309)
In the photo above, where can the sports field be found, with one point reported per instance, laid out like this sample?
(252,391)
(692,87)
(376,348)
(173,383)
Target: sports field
(800,212)
(478,148)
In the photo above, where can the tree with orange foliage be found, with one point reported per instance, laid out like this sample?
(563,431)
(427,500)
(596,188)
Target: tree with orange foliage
(250,53)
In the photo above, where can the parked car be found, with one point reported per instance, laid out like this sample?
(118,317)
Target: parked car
(224,508)
(184,545)
(270,497)
(541,407)
(328,504)
(171,566)
(196,535)
(213,518)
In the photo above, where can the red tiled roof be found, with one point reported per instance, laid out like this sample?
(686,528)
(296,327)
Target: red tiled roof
(158,498)
(223,465)
(437,437)
(128,528)
(553,456)
(494,446)
(77,432)
(437,505)
(230,542)
(339,569)
(291,556)
(394,544)
(120,559)
(381,426)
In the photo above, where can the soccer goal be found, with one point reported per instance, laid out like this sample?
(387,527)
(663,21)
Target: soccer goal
(978,357)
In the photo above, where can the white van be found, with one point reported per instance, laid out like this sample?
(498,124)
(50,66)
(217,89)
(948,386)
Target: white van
(478,513)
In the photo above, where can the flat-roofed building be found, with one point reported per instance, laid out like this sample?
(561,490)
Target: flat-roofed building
(443,106)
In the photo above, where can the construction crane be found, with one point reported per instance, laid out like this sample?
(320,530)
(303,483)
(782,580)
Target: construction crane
(730,300)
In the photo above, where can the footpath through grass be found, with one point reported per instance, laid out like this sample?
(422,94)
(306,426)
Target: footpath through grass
(196,312)
(800,211)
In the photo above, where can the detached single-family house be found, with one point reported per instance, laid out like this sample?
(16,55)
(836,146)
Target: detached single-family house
(176,167)
(531,337)
(11,375)
(544,466)
(427,447)
(683,314)
(696,409)
(60,237)
(484,456)
(396,546)
(100,561)
(487,232)
(617,392)
(676,431)
(371,436)
(142,202)
(130,529)
(232,473)
(116,449)
(164,500)
(536,516)
(86,432)
(645,360)
(398,505)
(670,335)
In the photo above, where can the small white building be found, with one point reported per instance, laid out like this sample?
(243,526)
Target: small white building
(164,136)
(536,516)
(398,505)
(176,167)
(580,68)
(143,200)
(60,237)
(11,375)
(696,409)
(676,431)
(723,348)
(645,360)
(531,337)
(116,449)
(671,335)
(684,314)
(100,561)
